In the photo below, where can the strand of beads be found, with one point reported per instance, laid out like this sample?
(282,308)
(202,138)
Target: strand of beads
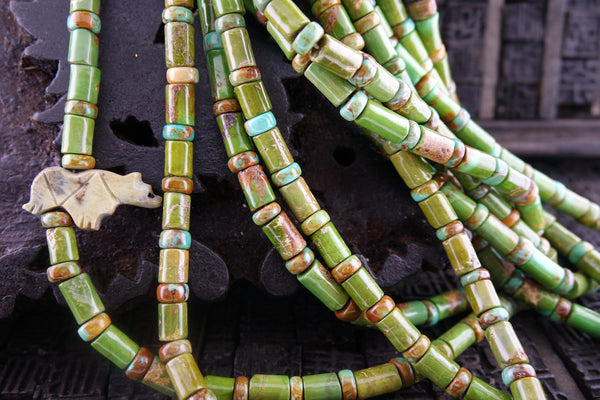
(559,309)
(84,85)
(347,269)
(175,240)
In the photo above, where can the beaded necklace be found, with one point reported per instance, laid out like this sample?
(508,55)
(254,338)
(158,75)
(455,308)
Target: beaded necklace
(139,362)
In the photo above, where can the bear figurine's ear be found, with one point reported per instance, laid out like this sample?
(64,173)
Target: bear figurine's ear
(135,176)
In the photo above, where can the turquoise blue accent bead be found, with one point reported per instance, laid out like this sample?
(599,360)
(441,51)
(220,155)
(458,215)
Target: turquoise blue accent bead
(355,106)
(578,251)
(178,132)
(366,73)
(212,41)
(177,14)
(175,239)
(514,283)
(516,371)
(307,38)
(260,124)
(91,22)
(229,21)
(287,175)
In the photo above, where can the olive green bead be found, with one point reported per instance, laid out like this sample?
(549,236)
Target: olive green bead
(415,311)
(330,245)
(255,185)
(336,57)
(590,264)
(322,387)
(334,88)
(286,46)
(84,83)
(561,238)
(498,234)
(85,5)
(477,164)
(222,387)
(336,22)
(482,296)
(238,49)
(384,85)
(321,284)
(176,211)
(449,304)
(544,301)
(460,337)
(416,109)
(541,268)
(480,390)
(393,10)
(462,204)
(384,122)
(461,253)
(505,344)
(77,135)
(437,210)
(546,185)
(179,158)
(273,150)
(234,136)
(300,199)
(253,99)
(585,320)
(286,17)
(83,48)
(358,8)
(413,170)
(180,104)
(496,204)
(269,387)
(179,44)
(218,71)
(527,388)
(172,321)
(378,43)
(363,289)
(157,378)
(223,7)
(375,381)
(398,330)
(185,375)
(81,297)
(62,245)
(436,366)
(173,266)
(284,236)
(116,346)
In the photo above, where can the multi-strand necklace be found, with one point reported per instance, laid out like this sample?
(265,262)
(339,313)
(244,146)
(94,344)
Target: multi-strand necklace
(391,112)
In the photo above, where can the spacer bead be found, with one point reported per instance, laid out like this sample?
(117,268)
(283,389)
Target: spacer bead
(300,262)
(63,271)
(174,349)
(203,394)
(354,41)
(140,365)
(84,20)
(368,22)
(458,154)
(433,315)
(315,222)
(244,75)
(94,327)
(241,388)
(83,108)
(562,310)
(54,219)
(78,161)
(182,75)
(400,98)
(355,106)
(423,9)
(348,384)
(260,124)
(478,218)
(177,14)
(438,55)
(382,308)
(459,385)
(300,63)
(286,175)
(349,312)
(229,21)
(492,316)
(405,370)
(512,218)
(226,106)
(346,268)
(404,28)
(366,73)
(517,371)
(296,388)
(177,184)
(242,161)
(417,350)
(579,251)
(172,292)
(308,37)
(474,276)
(266,214)
(499,175)
(447,231)
(474,324)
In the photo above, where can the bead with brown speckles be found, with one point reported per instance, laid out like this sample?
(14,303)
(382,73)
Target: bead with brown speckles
(177,184)
(63,271)
(561,311)
(459,384)
(172,292)
(240,391)
(407,374)
(94,327)
(301,262)
(382,308)
(55,219)
(346,268)
(417,350)
(226,106)
(349,312)
(203,394)
(348,384)
(296,388)
(140,364)
(173,349)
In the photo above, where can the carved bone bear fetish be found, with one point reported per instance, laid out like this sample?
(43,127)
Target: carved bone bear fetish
(88,196)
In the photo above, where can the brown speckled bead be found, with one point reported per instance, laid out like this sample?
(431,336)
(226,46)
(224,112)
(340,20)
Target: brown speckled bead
(172,292)
(94,327)
(562,310)
(346,268)
(348,384)
(203,394)
(382,308)
(407,374)
(296,388)
(177,184)
(140,364)
(55,219)
(240,391)
(63,271)
(173,349)
(226,106)
(242,161)
(418,349)
(349,312)
(473,322)
(158,378)
(459,384)
(512,218)
(299,63)
(244,75)
(301,262)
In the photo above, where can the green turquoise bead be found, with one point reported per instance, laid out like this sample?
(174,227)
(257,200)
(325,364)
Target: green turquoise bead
(253,99)
(413,170)
(460,337)
(334,88)
(81,297)
(82,108)
(177,14)
(437,367)
(234,137)
(415,311)
(269,387)
(336,57)
(286,17)
(176,211)
(206,15)
(220,386)
(477,164)
(229,21)
(172,321)
(273,150)
(336,22)
(462,204)
(474,135)
(393,10)
(84,19)
(84,83)
(413,68)
(330,245)
(238,49)
(363,289)
(541,268)
(461,253)
(178,132)
(322,387)
(430,32)
(85,5)
(449,304)
(300,199)
(179,44)
(437,210)
(505,344)
(415,108)
(116,346)
(384,22)
(62,245)
(185,376)
(284,44)
(284,236)
(179,157)
(260,124)
(527,388)
(383,86)
(307,38)
(212,41)
(83,48)
(222,7)
(157,378)
(398,330)
(384,122)
(357,9)
(321,284)
(482,296)
(480,390)
(175,239)
(218,72)
(378,43)
(173,266)
(413,44)
(77,135)
(498,234)
(180,104)
(375,381)
(585,320)
(256,187)
(286,175)
(315,222)
(355,106)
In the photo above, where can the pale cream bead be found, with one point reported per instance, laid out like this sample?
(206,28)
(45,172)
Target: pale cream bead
(182,75)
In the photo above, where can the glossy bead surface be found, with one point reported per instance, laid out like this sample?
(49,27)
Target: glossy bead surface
(330,245)
(399,330)
(84,83)
(301,262)
(461,253)
(173,266)
(307,38)
(253,99)
(176,211)
(172,292)
(222,387)
(179,44)
(337,90)
(322,285)
(177,14)
(273,150)
(182,75)
(375,381)
(173,349)
(81,297)
(241,161)
(185,375)
(84,20)
(77,135)
(94,327)
(177,184)
(256,187)
(413,170)
(140,364)
(505,344)
(315,222)
(322,387)
(260,124)
(63,271)
(77,107)
(272,387)
(83,48)
(116,346)
(438,210)
(363,289)
(179,158)
(238,49)
(85,5)
(157,378)
(78,161)
(336,57)
(348,384)
(299,198)
(178,132)
(244,75)
(284,236)
(266,214)
(346,268)
(180,99)
(286,17)
(172,321)
(233,134)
